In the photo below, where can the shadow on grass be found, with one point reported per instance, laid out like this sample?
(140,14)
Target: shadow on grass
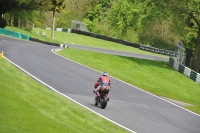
(146,62)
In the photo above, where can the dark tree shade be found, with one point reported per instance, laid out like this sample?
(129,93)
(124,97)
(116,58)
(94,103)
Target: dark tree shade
(8,5)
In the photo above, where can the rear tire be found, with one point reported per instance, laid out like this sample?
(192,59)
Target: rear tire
(103,102)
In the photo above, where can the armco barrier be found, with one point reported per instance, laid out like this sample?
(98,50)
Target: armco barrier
(181,68)
(64,46)
(66,30)
(106,38)
(127,43)
(157,50)
(124,42)
(40,41)
(60,29)
(13,34)
(184,70)
(193,75)
(49,43)
(140,46)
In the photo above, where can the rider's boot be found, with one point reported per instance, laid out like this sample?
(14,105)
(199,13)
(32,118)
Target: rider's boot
(96,97)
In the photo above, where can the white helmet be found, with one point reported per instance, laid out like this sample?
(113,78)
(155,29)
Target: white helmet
(105,74)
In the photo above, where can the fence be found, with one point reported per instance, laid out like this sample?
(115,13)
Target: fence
(127,43)
(13,34)
(60,29)
(157,50)
(184,70)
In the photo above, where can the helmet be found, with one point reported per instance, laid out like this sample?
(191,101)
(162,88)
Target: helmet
(105,74)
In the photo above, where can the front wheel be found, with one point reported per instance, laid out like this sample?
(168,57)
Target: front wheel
(103,101)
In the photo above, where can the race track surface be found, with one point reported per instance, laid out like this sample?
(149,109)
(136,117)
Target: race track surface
(129,106)
(141,56)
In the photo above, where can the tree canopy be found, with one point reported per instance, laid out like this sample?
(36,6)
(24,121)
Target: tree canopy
(157,23)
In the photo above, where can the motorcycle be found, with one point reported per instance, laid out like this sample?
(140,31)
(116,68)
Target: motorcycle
(102,99)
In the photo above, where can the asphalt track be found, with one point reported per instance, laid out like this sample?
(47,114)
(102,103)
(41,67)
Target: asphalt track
(132,108)
(136,55)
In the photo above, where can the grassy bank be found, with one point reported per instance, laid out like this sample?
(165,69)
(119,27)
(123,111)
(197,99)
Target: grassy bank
(153,76)
(29,107)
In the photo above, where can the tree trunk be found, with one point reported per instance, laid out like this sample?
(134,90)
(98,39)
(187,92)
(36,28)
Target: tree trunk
(21,24)
(16,21)
(32,26)
(26,24)
(53,25)
(10,20)
(196,58)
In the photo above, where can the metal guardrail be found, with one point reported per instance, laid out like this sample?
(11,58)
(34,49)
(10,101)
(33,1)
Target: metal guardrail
(184,70)
(157,50)
(140,46)
(107,38)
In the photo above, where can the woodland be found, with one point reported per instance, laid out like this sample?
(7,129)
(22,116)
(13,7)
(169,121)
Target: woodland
(156,23)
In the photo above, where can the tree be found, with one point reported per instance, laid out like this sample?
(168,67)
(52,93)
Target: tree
(77,8)
(194,13)
(56,6)
(22,9)
(96,12)
(124,15)
(179,11)
(61,20)
(165,20)
(6,6)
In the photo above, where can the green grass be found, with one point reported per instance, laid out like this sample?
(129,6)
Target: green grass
(29,107)
(153,76)
(36,33)
(72,38)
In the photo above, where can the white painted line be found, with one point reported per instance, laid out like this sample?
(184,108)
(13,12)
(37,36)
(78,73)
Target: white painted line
(67,96)
(128,84)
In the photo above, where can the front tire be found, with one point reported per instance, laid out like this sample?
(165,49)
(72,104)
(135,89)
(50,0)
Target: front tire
(103,101)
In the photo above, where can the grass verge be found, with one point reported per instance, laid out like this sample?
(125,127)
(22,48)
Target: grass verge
(153,76)
(29,107)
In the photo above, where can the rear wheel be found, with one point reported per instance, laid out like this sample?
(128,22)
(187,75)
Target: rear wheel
(103,101)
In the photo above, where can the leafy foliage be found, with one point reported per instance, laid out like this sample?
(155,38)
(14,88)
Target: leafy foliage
(97,12)
(57,5)
(158,23)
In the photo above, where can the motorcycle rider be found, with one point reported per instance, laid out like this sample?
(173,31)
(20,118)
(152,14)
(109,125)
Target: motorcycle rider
(103,81)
